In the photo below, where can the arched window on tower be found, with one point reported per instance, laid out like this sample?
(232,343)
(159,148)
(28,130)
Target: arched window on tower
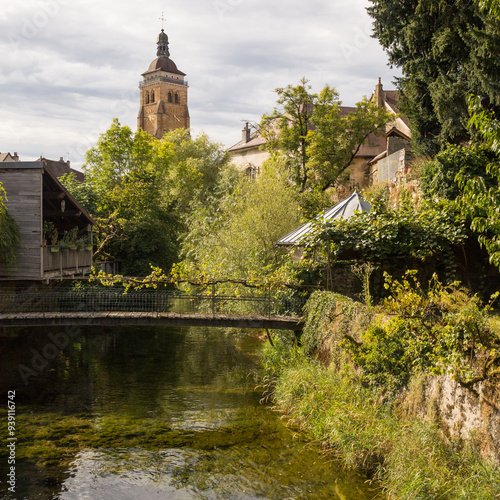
(152,96)
(176,98)
(147,97)
(170,97)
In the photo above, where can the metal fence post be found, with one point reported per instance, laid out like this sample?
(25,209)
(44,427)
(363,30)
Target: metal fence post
(269,299)
(213,299)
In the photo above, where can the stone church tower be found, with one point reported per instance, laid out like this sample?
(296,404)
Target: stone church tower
(164,105)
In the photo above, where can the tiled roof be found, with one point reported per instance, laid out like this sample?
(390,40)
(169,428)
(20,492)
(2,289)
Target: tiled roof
(59,168)
(256,140)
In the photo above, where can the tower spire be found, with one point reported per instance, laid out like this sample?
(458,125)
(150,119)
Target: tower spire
(162,44)
(162,41)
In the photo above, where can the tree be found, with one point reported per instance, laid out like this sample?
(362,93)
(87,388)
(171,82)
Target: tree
(199,171)
(142,192)
(438,176)
(337,137)
(286,128)
(481,193)
(317,138)
(446,50)
(240,239)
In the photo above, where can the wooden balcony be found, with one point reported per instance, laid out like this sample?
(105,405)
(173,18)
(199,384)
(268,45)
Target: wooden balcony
(66,262)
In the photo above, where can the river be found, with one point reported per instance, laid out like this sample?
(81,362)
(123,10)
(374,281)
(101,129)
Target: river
(150,413)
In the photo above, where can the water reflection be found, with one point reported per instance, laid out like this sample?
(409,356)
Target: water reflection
(158,413)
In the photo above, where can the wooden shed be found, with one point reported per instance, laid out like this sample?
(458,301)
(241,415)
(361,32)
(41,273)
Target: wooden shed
(55,230)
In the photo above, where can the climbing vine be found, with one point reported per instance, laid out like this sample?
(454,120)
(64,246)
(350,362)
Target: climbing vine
(9,232)
(432,231)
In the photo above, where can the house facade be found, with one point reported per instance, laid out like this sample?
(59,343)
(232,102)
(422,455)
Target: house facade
(55,230)
(249,153)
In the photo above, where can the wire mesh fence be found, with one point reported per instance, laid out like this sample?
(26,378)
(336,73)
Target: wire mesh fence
(149,300)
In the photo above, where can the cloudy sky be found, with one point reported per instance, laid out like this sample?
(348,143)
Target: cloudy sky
(70,66)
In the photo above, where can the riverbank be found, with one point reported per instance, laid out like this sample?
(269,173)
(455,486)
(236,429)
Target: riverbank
(350,388)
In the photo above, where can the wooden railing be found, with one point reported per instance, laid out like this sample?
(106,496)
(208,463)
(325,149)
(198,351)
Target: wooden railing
(66,260)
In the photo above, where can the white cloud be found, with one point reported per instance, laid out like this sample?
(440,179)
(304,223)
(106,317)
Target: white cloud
(70,67)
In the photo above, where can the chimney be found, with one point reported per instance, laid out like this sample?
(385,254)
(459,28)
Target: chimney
(16,157)
(245,136)
(61,159)
(379,93)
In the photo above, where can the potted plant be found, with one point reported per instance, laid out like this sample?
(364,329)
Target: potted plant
(69,239)
(83,243)
(49,232)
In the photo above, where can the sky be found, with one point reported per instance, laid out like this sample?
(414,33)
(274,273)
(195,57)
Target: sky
(70,66)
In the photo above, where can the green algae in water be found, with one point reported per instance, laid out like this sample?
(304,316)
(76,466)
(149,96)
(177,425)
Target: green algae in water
(159,414)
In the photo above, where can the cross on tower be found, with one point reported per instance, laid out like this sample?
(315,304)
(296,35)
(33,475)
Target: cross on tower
(162,19)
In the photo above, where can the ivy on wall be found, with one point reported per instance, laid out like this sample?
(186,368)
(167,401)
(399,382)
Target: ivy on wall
(9,232)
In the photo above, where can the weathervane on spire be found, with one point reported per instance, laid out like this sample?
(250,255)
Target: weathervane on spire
(162,41)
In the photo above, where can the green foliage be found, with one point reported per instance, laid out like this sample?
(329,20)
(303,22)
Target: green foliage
(422,465)
(9,232)
(344,406)
(198,172)
(438,177)
(438,330)
(335,409)
(50,232)
(444,50)
(410,458)
(492,6)
(329,318)
(337,137)
(143,193)
(286,128)
(384,234)
(363,272)
(316,138)
(283,354)
(481,193)
(240,238)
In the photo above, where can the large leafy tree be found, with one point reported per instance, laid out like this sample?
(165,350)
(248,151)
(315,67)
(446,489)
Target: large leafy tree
(337,136)
(142,190)
(318,139)
(286,128)
(239,239)
(481,191)
(446,50)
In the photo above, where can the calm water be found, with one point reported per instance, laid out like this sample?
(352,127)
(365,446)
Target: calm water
(149,413)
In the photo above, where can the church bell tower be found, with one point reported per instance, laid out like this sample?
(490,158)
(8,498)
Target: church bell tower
(164,99)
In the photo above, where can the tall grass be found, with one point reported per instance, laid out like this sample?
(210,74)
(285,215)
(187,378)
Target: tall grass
(410,457)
